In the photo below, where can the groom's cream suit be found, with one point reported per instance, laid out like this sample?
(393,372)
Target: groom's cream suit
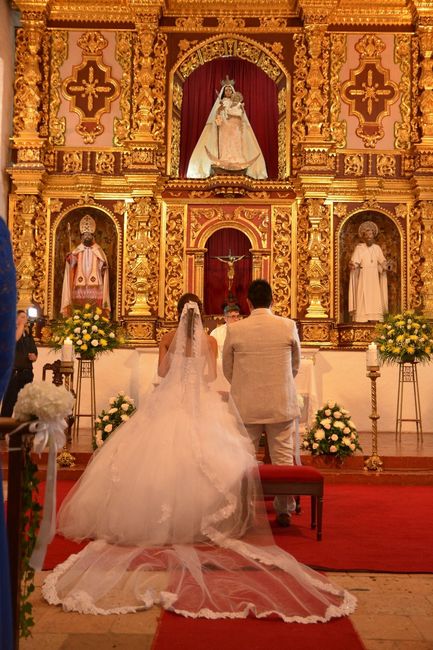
(261,357)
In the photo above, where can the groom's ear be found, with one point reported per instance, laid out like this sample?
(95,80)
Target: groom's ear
(250,305)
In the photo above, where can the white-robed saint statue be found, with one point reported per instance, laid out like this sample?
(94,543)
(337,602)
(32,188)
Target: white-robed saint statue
(368,287)
(86,272)
(227,142)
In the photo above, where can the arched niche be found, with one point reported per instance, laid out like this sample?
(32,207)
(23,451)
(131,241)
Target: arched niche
(220,243)
(66,236)
(389,238)
(223,48)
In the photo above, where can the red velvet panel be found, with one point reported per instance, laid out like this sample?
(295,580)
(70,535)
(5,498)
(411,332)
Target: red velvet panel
(215,272)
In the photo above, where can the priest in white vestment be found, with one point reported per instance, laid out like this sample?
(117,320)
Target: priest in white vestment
(86,272)
(368,287)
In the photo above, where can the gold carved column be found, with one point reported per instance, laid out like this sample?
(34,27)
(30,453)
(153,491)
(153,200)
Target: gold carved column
(142,249)
(318,263)
(146,15)
(426,252)
(27,213)
(426,84)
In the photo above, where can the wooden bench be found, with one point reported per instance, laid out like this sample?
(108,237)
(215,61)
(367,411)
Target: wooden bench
(295,480)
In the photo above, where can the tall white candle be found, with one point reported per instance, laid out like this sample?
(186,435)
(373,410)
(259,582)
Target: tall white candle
(372,355)
(67,350)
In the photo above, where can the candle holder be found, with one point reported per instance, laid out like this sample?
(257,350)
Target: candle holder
(374,462)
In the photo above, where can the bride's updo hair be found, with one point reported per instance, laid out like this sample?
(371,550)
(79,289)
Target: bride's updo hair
(189,297)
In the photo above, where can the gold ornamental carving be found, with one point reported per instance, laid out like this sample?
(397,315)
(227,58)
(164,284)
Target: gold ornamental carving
(143,331)
(122,125)
(222,46)
(386,165)
(316,100)
(300,92)
(338,58)
(302,238)
(142,274)
(318,265)
(354,164)
(27,97)
(159,70)
(174,252)
(104,163)
(143,97)
(73,162)
(29,236)
(315,333)
(59,54)
(414,255)
(282,260)
(370,92)
(91,89)
(426,83)
(403,55)
(426,253)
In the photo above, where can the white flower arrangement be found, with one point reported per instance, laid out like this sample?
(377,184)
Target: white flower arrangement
(333,432)
(120,410)
(42,400)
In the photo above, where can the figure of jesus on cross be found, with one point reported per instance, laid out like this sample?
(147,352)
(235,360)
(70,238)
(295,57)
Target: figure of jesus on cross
(230,260)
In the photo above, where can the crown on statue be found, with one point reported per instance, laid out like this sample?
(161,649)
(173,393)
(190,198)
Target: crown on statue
(227,82)
(87,224)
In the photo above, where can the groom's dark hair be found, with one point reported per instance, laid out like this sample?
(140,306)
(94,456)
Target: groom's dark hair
(260,294)
(188,297)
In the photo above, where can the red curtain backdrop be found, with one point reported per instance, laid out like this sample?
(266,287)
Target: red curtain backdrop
(215,272)
(260,98)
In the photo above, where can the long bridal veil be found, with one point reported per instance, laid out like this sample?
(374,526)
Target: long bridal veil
(174,505)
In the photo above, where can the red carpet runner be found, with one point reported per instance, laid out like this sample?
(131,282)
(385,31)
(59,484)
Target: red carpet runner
(370,528)
(179,633)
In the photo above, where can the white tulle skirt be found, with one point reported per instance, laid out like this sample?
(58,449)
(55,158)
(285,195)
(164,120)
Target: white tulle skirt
(174,504)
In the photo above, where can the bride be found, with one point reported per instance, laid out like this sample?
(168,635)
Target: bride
(174,505)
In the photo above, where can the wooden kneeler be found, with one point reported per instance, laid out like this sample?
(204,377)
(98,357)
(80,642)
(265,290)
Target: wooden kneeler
(295,480)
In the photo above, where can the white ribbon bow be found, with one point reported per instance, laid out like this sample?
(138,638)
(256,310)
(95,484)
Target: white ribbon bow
(51,433)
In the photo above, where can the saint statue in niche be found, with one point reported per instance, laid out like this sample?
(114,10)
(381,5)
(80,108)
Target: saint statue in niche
(227,144)
(86,272)
(368,286)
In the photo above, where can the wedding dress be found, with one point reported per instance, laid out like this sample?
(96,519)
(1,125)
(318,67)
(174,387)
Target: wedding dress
(174,503)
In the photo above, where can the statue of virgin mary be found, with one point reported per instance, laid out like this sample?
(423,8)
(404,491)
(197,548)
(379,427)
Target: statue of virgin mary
(227,143)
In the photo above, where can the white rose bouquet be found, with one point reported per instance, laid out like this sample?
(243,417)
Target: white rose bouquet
(42,400)
(333,433)
(120,410)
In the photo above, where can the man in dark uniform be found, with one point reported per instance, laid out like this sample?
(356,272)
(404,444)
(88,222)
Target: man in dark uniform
(26,354)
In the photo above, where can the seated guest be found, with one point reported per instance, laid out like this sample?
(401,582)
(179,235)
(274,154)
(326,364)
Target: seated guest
(231,314)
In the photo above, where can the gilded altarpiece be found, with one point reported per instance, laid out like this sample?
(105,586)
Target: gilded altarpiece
(97,130)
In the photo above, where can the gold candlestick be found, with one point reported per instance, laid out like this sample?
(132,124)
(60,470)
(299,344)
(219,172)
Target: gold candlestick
(374,463)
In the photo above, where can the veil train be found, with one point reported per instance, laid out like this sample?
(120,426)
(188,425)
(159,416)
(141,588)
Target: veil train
(173,502)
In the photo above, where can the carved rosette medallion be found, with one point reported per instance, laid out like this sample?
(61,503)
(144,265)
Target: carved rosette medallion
(91,89)
(370,92)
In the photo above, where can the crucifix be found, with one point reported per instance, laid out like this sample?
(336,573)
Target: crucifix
(230,260)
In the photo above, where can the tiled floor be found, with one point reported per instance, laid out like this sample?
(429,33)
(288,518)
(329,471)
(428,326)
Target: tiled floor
(395,612)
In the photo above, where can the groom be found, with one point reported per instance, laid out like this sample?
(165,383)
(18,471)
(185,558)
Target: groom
(261,357)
